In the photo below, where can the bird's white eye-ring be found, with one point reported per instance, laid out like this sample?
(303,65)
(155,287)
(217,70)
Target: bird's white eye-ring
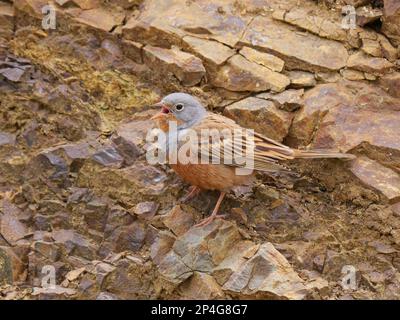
(179,107)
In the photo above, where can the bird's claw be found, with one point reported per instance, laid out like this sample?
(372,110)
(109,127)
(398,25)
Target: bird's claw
(209,219)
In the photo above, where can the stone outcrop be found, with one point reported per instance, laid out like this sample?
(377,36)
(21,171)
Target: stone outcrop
(186,67)
(239,74)
(238,266)
(78,194)
(274,37)
(261,115)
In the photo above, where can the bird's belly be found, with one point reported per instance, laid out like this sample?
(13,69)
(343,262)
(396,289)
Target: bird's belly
(211,176)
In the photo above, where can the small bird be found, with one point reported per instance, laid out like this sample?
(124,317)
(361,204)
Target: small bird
(189,114)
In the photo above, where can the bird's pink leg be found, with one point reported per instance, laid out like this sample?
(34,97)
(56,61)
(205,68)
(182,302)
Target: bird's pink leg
(214,214)
(193,191)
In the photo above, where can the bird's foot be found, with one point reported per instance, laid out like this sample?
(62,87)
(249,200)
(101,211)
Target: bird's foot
(193,192)
(210,219)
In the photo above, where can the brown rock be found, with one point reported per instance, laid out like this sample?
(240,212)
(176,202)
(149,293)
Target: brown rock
(360,61)
(173,270)
(391,20)
(378,177)
(198,19)
(293,47)
(127,149)
(31,7)
(133,133)
(83,4)
(318,263)
(132,50)
(74,274)
(265,59)
(288,100)
(95,214)
(6,139)
(146,210)
(367,14)
(53,293)
(239,74)
(240,253)
(201,286)
(138,182)
(396,209)
(327,77)
(382,247)
(199,249)
(6,269)
(11,228)
(74,243)
(127,4)
(211,52)
(12,268)
(301,79)
(6,20)
(371,47)
(391,83)
(161,246)
(107,296)
(130,237)
(178,221)
(388,51)
(395,233)
(342,123)
(186,67)
(261,115)
(321,24)
(352,75)
(12,74)
(47,249)
(100,19)
(108,157)
(369,76)
(266,274)
(357,3)
(239,215)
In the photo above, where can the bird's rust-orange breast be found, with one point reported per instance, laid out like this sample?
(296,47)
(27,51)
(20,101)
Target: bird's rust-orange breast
(211,176)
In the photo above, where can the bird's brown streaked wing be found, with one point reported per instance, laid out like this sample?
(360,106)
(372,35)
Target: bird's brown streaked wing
(266,152)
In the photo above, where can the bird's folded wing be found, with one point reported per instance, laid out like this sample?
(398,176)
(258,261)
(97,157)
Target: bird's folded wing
(232,145)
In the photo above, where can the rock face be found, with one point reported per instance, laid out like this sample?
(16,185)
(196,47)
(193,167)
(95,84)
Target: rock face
(301,79)
(266,273)
(199,18)
(362,62)
(391,20)
(5,268)
(79,199)
(377,176)
(187,68)
(99,19)
(345,120)
(238,266)
(277,38)
(391,83)
(267,60)
(213,53)
(240,74)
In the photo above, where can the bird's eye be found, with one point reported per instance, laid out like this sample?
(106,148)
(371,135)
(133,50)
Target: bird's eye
(179,107)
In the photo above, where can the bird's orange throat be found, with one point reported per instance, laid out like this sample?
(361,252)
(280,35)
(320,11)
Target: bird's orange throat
(163,120)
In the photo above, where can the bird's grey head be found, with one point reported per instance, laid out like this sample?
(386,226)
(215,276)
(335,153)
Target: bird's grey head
(186,109)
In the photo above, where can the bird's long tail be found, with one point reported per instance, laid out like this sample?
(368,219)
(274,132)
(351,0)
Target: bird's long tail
(321,153)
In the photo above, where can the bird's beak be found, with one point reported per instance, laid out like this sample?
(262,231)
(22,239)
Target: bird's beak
(163,112)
